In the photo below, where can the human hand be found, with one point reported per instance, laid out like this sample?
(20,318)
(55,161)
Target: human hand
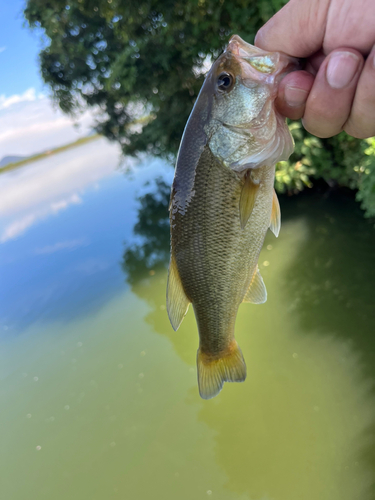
(336,91)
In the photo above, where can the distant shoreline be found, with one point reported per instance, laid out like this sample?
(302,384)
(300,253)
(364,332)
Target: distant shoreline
(47,154)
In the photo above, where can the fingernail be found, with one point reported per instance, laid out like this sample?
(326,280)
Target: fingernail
(294,96)
(341,69)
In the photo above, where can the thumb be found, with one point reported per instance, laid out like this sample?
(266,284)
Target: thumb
(297,29)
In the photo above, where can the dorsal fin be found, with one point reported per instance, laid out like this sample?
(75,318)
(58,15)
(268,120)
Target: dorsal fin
(275,215)
(256,293)
(177,302)
(247,198)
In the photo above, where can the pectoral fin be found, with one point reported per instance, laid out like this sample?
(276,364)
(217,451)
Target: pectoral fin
(256,293)
(177,302)
(275,215)
(247,199)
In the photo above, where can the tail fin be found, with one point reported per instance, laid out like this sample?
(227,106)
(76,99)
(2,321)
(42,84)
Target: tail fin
(213,372)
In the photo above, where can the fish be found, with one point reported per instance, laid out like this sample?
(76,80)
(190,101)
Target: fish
(223,202)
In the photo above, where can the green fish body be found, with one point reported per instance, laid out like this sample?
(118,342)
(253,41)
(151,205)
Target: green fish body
(220,211)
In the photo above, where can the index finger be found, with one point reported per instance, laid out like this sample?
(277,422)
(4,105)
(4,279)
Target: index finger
(297,29)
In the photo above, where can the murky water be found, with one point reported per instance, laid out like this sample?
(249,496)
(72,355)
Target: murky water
(98,394)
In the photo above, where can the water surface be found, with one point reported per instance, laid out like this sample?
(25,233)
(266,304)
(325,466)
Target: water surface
(99,397)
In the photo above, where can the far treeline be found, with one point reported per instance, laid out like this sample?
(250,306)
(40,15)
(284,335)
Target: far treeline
(128,58)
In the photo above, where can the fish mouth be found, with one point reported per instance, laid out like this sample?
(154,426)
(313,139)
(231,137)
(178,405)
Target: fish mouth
(292,64)
(269,63)
(240,48)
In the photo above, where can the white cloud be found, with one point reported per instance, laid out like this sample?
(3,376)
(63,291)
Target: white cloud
(17,227)
(2,49)
(43,188)
(91,266)
(20,225)
(30,124)
(49,181)
(63,204)
(6,102)
(61,245)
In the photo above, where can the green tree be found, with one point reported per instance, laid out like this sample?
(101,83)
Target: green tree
(133,58)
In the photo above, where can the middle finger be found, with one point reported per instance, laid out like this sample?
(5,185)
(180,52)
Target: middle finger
(329,102)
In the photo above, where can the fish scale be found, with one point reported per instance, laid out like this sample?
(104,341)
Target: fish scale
(213,254)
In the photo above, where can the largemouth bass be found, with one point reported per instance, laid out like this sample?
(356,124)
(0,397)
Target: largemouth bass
(223,202)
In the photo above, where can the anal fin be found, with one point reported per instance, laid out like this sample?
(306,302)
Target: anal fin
(177,302)
(213,372)
(256,293)
(247,198)
(275,215)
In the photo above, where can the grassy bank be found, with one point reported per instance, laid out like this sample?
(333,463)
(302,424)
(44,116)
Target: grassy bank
(48,153)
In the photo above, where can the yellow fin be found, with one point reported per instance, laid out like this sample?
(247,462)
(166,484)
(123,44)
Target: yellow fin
(177,302)
(256,293)
(275,215)
(247,199)
(213,372)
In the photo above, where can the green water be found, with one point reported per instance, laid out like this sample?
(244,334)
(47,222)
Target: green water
(99,397)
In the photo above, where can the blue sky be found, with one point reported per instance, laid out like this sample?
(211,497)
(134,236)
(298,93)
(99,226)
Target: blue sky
(29,122)
(19,51)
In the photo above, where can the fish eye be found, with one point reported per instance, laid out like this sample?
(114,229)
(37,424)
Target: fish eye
(225,82)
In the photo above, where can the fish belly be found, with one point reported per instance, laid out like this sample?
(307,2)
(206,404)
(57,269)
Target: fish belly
(216,258)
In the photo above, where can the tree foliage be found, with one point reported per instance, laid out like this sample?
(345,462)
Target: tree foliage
(147,57)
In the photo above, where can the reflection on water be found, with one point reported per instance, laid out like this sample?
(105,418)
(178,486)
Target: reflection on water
(141,259)
(98,394)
